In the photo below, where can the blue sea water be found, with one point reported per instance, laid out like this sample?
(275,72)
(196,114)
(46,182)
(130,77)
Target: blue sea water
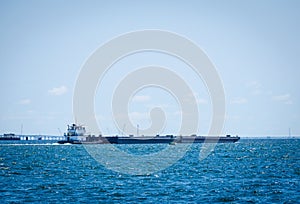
(255,171)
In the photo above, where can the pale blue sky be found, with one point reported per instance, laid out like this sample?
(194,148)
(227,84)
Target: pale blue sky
(254,45)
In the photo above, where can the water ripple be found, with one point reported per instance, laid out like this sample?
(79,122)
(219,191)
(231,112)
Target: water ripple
(254,171)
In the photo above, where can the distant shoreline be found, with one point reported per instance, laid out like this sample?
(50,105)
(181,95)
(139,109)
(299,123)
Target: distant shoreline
(57,137)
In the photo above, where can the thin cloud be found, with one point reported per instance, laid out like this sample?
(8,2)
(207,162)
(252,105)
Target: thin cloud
(57,91)
(201,101)
(158,105)
(178,113)
(255,87)
(141,98)
(238,100)
(194,98)
(254,84)
(139,115)
(232,117)
(25,101)
(285,98)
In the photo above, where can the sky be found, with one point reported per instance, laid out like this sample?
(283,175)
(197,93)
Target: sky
(254,46)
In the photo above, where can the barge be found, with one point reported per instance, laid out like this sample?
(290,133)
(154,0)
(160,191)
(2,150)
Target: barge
(76,134)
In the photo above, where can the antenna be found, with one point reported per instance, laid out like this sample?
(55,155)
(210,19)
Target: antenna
(21,129)
(137,129)
(118,130)
(59,131)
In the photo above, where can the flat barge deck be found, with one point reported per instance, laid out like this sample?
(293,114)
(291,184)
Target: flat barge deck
(153,140)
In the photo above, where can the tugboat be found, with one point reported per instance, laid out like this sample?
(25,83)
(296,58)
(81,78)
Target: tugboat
(75,134)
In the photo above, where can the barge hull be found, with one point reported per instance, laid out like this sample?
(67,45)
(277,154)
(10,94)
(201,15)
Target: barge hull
(154,140)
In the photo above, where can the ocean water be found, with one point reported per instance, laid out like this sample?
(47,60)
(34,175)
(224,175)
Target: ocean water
(252,171)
